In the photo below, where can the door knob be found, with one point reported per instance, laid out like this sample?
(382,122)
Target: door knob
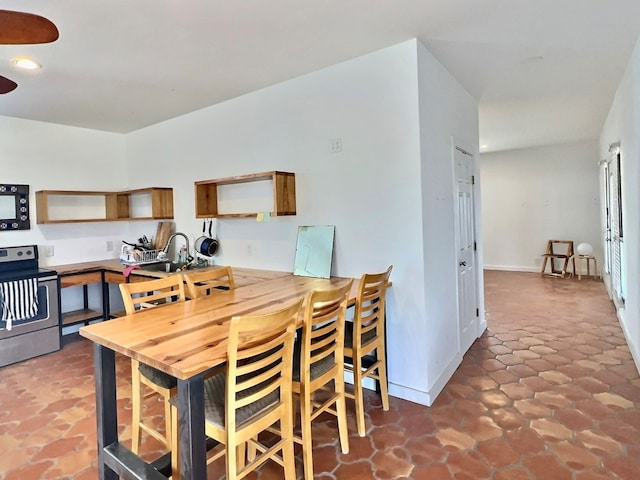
(462,264)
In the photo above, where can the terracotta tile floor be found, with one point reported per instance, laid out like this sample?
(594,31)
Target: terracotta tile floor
(548,392)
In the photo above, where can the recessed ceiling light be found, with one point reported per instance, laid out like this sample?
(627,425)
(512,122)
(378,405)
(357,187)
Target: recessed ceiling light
(26,63)
(484,146)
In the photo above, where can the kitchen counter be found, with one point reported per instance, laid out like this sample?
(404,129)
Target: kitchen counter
(110,271)
(242,276)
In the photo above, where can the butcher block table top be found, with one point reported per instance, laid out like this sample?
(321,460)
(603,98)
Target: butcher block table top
(187,338)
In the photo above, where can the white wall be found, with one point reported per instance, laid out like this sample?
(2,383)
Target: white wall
(534,195)
(623,125)
(395,111)
(371,191)
(368,102)
(448,115)
(55,157)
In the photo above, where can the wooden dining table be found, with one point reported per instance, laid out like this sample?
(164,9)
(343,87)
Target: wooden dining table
(186,340)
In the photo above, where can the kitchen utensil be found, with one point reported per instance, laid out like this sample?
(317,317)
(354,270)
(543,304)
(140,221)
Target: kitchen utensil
(207,246)
(162,235)
(135,245)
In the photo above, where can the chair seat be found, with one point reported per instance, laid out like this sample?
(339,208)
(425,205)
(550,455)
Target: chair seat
(317,369)
(366,337)
(157,376)
(214,401)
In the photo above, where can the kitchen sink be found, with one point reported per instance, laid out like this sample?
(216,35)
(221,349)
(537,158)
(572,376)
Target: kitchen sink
(168,267)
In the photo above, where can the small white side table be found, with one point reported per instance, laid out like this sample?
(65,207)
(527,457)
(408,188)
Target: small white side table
(588,259)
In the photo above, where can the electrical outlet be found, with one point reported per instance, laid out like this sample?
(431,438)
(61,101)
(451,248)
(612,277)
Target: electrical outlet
(336,145)
(109,246)
(47,250)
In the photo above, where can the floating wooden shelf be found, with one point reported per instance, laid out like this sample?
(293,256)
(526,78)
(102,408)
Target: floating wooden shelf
(284,194)
(114,206)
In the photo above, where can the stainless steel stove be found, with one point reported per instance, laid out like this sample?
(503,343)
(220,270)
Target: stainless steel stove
(29,306)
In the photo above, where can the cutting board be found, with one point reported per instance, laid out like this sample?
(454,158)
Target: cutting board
(162,235)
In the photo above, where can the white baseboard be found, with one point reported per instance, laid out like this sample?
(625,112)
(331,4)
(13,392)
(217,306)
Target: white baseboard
(426,398)
(444,377)
(512,268)
(406,393)
(633,346)
(398,391)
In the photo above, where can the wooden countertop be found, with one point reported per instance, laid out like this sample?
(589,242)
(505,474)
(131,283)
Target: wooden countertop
(242,276)
(187,338)
(71,268)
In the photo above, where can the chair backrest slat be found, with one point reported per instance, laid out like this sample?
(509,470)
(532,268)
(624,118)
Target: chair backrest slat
(323,330)
(152,293)
(260,358)
(201,283)
(369,313)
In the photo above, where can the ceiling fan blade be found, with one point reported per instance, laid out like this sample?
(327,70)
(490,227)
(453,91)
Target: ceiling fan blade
(19,28)
(7,85)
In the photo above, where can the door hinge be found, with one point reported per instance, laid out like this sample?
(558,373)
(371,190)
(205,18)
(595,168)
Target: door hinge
(477,312)
(473,179)
(475,246)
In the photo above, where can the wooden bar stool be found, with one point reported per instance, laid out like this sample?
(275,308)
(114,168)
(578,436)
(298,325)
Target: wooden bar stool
(318,367)
(249,394)
(137,296)
(588,259)
(367,336)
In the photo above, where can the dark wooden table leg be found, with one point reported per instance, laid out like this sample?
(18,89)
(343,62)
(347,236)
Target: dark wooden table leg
(193,452)
(106,407)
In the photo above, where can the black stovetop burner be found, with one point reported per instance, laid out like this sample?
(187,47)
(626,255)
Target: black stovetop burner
(17,263)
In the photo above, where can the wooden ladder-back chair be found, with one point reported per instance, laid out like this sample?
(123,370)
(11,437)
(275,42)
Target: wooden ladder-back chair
(137,296)
(366,338)
(204,282)
(251,394)
(319,366)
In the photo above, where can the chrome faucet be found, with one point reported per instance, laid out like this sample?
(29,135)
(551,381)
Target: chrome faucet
(162,256)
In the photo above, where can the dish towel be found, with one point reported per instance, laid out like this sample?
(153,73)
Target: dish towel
(19,300)
(127,271)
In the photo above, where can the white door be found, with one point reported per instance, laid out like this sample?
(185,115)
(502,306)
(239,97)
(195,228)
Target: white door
(465,243)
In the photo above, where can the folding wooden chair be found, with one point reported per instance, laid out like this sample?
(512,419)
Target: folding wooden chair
(559,252)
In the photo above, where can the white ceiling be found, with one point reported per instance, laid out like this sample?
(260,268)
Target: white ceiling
(121,65)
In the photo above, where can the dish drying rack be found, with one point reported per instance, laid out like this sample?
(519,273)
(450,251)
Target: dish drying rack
(135,256)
